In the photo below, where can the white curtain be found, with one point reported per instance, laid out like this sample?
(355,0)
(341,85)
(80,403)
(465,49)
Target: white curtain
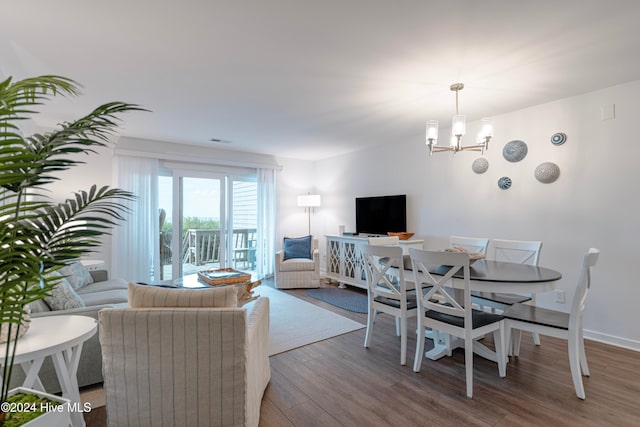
(135,242)
(266,222)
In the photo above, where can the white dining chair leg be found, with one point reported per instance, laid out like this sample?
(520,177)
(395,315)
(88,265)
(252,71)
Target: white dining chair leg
(574,364)
(370,320)
(536,338)
(468,364)
(583,356)
(398,326)
(417,361)
(499,339)
(403,340)
(516,336)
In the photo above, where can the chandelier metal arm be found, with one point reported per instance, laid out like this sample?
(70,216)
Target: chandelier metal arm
(455,148)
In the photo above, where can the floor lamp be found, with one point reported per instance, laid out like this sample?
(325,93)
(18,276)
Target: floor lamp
(308,202)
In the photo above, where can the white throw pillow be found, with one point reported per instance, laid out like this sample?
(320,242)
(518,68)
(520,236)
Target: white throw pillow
(63,296)
(76,274)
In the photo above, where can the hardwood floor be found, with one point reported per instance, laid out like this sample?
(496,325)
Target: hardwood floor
(338,382)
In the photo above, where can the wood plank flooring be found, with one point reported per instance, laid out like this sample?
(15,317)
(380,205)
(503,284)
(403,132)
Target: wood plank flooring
(338,382)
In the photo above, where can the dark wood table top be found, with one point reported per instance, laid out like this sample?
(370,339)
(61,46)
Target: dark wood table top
(499,271)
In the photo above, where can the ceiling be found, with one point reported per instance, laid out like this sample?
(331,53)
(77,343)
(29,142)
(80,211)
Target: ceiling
(313,79)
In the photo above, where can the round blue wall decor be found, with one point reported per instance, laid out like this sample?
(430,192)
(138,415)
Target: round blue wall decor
(515,151)
(558,138)
(480,165)
(547,172)
(504,183)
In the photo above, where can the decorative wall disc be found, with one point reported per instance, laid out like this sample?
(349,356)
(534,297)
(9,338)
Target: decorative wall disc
(480,165)
(547,172)
(504,182)
(558,138)
(515,151)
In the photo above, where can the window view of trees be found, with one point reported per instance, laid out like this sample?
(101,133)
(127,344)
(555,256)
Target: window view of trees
(194,223)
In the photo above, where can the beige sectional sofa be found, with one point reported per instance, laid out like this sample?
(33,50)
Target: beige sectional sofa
(101,293)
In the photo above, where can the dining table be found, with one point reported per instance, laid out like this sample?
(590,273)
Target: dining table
(489,276)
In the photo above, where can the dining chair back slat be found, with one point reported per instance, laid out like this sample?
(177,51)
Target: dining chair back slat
(516,251)
(471,244)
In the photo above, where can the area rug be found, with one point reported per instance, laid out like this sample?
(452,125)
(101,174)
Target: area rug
(342,298)
(294,323)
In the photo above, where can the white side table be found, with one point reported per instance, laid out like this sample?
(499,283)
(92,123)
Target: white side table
(92,264)
(60,337)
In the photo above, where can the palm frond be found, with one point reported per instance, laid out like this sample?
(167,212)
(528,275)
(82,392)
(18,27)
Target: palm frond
(72,228)
(17,97)
(36,235)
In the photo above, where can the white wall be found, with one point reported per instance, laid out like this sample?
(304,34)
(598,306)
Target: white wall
(594,202)
(96,169)
(294,179)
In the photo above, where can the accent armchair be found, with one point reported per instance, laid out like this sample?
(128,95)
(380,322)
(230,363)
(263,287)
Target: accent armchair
(297,270)
(195,361)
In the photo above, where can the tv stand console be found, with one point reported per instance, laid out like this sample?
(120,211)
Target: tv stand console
(344,258)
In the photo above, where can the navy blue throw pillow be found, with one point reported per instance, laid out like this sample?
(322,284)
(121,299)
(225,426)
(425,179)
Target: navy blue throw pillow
(297,247)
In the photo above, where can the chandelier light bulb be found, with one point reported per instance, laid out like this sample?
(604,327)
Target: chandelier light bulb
(458,126)
(487,128)
(432,132)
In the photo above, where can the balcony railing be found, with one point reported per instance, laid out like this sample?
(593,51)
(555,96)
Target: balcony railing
(202,246)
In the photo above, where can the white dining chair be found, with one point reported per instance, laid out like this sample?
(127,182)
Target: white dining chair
(471,244)
(439,309)
(567,326)
(516,251)
(386,241)
(387,291)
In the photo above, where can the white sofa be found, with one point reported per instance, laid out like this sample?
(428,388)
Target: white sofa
(193,361)
(298,272)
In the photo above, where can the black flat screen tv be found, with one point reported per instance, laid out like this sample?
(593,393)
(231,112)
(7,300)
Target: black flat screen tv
(381,214)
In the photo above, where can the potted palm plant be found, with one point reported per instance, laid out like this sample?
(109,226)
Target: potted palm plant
(37,235)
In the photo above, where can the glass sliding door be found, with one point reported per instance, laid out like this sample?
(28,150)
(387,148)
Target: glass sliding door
(244,219)
(202,210)
(207,221)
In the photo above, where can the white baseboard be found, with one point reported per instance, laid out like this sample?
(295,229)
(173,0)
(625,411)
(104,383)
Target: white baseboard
(612,340)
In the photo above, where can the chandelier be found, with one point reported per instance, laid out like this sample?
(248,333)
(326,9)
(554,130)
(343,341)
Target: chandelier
(457,130)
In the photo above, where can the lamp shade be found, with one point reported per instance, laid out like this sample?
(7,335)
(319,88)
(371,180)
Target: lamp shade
(309,200)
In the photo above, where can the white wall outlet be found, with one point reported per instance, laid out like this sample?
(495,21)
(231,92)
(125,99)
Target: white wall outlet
(608,112)
(561,296)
